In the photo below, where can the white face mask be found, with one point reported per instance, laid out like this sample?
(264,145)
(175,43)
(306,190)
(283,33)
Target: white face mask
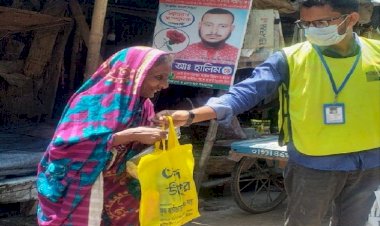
(324,36)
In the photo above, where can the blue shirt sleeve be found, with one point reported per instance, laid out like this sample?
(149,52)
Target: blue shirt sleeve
(241,97)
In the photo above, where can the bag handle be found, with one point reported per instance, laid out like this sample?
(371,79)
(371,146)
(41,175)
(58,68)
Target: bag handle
(172,137)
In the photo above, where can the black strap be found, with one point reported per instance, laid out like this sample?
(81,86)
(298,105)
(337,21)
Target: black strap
(190,118)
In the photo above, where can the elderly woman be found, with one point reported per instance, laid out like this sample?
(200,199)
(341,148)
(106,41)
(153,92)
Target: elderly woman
(82,178)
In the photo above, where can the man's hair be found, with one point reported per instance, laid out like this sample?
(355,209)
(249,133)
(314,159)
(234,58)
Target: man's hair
(219,11)
(341,6)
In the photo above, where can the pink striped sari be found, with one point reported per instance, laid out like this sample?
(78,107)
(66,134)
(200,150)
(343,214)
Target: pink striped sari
(81,178)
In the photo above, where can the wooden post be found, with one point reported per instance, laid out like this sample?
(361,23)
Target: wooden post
(73,61)
(206,151)
(96,35)
(80,20)
(56,68)
(43,42)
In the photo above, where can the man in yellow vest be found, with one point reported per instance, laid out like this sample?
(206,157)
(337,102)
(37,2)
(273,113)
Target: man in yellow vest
(329,116)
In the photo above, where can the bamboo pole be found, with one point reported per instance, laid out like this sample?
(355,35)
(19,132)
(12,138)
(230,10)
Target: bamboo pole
(95,38)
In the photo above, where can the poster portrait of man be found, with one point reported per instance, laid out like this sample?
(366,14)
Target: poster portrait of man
(205,37)
(214,29)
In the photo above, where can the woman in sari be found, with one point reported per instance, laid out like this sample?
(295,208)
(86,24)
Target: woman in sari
(82,177)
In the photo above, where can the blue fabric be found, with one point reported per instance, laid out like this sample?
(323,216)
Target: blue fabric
(263,82)
(246,94)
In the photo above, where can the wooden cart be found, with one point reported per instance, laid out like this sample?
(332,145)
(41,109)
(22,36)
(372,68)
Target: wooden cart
(257,178)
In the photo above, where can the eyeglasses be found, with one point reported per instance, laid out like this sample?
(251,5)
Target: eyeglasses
(318,23)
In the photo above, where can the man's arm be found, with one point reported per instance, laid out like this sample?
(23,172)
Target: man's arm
(184,117)
(241,97)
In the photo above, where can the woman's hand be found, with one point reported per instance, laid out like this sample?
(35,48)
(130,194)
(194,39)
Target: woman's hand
(144,135)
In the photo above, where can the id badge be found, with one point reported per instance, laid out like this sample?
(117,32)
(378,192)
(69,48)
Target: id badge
(334,113)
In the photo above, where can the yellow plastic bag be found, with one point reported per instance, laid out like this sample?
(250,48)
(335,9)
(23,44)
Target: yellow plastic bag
(168,193)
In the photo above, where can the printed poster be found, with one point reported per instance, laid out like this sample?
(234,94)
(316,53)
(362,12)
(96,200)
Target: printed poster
(206,37)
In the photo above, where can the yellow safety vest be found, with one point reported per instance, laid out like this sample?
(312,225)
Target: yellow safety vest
(308,88)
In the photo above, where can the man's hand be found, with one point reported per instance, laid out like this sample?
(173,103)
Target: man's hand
(144,135)
(180,117)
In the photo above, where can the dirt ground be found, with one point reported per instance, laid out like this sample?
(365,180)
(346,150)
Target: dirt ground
(224,212)
(229,214)
(220,211)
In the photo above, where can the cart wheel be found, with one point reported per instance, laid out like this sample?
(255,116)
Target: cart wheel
(257,185)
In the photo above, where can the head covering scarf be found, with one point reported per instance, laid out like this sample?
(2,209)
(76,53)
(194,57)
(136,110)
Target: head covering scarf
(80,148)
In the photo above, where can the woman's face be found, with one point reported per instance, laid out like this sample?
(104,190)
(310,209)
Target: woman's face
(156,79)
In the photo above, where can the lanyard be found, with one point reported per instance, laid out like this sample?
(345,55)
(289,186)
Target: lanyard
(336,89)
